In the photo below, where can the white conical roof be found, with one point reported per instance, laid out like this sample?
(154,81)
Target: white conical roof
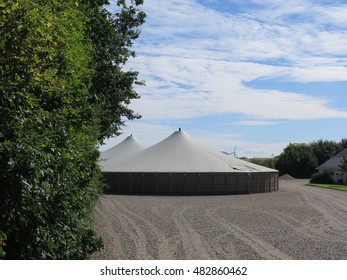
(181,153)
(127,147)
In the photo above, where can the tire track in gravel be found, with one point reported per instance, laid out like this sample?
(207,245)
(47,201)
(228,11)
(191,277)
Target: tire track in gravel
(150,233)
(102,221)
(174,238)
(132,235)
(305,223)
(331,204)
(334,198)
(194,245)
(224,244)
(334,203)
(330,197)
(334,214)
(302,227)
(300,199)
(261,247)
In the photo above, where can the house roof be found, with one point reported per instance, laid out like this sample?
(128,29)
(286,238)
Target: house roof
(181,153)
(334,162)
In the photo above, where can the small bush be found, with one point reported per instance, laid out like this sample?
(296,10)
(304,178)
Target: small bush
(2,244)
(321,178)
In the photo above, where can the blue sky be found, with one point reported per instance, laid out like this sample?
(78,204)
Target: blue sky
(256,74)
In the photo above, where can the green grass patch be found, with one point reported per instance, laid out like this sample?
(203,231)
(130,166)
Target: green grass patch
(330,186)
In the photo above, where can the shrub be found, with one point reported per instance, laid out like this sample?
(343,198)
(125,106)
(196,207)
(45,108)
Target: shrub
(52,77)
(321,178)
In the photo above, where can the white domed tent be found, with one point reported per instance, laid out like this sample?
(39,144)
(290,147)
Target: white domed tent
(127,147)
(180,165)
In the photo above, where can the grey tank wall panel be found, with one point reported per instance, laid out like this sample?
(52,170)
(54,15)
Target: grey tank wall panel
(190,183)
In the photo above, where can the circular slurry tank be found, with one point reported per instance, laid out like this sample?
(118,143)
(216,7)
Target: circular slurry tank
(180,165)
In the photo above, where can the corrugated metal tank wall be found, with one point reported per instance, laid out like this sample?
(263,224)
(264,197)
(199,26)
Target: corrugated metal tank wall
(191,183)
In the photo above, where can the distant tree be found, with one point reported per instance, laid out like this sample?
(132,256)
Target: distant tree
(298,160)
(301,160)
(343,143)
(343,167)
(268,162)
(324,150)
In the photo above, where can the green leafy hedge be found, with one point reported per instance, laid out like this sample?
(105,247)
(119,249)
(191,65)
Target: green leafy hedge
(321,178)
(50,125)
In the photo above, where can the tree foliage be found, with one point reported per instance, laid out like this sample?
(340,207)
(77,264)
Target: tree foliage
(343,164)
(343,167)
(58,78)
(324,150)
(267,162)
(112,39)
(321,178)
(300,160)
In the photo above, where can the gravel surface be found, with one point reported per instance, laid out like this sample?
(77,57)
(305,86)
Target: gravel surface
(297,222)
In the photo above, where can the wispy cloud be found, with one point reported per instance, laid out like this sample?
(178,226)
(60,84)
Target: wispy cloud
(214,87)
(197,61)
(254,123)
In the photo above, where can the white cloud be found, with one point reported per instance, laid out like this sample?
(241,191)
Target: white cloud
(254,123)
(317,74)
(181,88)
(196,62)
(184,27)
(335,15)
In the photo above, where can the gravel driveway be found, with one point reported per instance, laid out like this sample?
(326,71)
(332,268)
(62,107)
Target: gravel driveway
(297,222)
